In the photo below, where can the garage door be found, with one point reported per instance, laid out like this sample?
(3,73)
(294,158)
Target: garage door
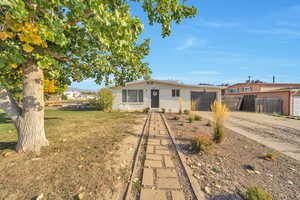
(297,105)
(203,100)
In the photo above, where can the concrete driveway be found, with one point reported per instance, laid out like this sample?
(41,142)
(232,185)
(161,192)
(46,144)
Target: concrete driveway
(278,133)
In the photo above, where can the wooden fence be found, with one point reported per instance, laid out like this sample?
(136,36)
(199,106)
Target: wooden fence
(269,105)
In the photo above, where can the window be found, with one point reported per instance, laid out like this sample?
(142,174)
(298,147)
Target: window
(132,96)
(175,93)
(233,90)
(247,89)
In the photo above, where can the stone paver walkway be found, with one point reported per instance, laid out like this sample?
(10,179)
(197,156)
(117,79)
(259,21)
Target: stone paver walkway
(160,179)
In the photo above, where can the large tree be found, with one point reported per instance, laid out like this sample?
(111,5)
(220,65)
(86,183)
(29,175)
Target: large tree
(71,40)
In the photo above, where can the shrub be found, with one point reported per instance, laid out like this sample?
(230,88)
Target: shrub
(103,101)
(271,156)
(201,143)
(176,118)
(180,101)
(180,112)
(218,133)
(163,110)
(220,113)
(186,111)
(198,118)
(257,193)
(191,119)
(146,110)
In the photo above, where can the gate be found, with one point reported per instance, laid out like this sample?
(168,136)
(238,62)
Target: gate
(269,105)
(202,100)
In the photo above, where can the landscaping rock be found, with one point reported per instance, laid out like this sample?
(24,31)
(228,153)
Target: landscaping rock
(40,197)
(207,190)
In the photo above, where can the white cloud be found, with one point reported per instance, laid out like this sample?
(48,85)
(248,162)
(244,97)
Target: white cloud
(191,42)
(205,72)
(219,24)
(275,31)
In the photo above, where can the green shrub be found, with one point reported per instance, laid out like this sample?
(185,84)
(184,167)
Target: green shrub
(163,110)
(186,111)
(146,110)
(176,118)
(218,133)
(180,112)
(271,156)
(257,193)
(201,143)
(191,119)
(198,118)
(103,101)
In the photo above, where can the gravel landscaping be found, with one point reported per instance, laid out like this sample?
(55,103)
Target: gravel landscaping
(229,168)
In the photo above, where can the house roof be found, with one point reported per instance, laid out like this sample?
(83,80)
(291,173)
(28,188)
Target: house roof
(170,82)
(268,84)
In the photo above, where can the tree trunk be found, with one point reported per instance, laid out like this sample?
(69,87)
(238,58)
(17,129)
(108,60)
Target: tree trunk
(30,125)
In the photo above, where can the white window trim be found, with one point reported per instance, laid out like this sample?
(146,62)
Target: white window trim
(138,102)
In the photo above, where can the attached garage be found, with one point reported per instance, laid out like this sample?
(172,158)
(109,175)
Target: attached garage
(297,105)
(203,100)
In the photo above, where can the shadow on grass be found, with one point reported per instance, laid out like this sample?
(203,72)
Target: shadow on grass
(52,118)
(4,119)
(7,145)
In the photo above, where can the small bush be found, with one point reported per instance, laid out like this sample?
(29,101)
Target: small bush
(180,101)
(146,110)
(186,111)
(198,118)
(191,119)
(220,114)
(218,133)
(103,101)
(257,193)
(201,143)
(176,118)
(270,156)
(163,110)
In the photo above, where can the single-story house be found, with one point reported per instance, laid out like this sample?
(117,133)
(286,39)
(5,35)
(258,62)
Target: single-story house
(281,98)
(164,94)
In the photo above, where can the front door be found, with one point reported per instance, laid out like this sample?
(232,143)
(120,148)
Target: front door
(154,98)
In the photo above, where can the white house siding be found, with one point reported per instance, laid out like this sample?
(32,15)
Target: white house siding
(166,101)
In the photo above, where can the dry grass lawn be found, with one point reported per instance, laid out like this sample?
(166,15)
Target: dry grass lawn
(78,160)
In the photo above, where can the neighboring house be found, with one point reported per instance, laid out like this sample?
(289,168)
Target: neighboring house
(72,93)
(264,97)
(77,94)
(241,88)
(161,94)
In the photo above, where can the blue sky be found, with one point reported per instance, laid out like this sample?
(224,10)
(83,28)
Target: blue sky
(227,41)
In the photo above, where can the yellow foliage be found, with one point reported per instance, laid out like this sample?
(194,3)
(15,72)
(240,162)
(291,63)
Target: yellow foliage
(27,48)
(27,32)
(50,86)
(4,35)
(220,112)
(14,66)
(193,105)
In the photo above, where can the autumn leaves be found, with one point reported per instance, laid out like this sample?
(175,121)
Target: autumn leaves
(27,32)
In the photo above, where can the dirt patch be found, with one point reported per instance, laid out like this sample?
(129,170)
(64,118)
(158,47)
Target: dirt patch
(84,157)
(224,170)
